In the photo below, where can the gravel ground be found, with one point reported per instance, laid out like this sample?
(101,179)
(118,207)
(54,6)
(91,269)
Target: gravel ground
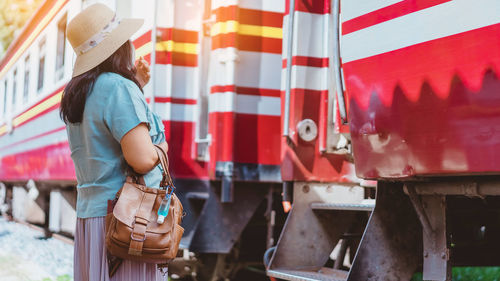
(25,255)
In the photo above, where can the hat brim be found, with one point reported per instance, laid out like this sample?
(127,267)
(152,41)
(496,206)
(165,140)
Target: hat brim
(106,47)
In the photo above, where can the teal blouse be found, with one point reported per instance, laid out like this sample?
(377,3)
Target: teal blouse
(114,106)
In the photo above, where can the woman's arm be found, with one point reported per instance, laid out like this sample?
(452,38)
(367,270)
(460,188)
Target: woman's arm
(138,149)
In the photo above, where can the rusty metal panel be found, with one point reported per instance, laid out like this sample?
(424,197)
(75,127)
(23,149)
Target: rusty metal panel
(436,254)
(391,246)
(309,236)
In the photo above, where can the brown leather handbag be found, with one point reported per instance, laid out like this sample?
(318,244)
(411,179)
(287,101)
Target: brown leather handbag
(132,231)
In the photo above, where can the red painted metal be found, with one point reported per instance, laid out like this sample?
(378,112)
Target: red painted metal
(310,6)
(303,161)
(174,100)
(176,133)
(180,136)
(245,90)
(428,109)
(254,139)
(52,162)
(307,61)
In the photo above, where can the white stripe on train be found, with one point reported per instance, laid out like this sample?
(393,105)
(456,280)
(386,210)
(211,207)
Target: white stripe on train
(353,9)
(310,29)
(182,82)
(246,104)
(307,77)
(46,140)
(40,125)
(253,69)
(277,6)
(436,22)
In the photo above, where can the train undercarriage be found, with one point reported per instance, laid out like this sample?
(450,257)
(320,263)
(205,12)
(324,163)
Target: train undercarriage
(222,240)
(430,225)
(427,225)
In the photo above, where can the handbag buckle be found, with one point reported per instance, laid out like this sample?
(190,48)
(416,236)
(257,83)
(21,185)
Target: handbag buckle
(137,239)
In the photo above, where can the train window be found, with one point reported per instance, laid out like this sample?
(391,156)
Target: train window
(41,65)
(14,89)
(26,89)
(61,47)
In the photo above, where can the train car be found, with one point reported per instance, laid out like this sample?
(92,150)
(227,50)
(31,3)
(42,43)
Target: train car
(216,70)
(331,205)
(421,80)
(417,84)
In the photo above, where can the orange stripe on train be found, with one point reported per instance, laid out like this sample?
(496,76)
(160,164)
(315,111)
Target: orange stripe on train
(249,16)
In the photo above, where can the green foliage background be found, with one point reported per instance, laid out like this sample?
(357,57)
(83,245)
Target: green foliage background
(470,274)
(13,17)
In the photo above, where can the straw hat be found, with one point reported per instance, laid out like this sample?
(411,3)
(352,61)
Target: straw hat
(96,33)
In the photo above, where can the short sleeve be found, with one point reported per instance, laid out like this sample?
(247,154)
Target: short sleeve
(126,109)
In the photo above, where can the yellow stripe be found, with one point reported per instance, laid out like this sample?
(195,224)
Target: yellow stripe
(3,129)
(167,46)
(32,37)
(55,99)
(263,31)
(224,27)
(232,26)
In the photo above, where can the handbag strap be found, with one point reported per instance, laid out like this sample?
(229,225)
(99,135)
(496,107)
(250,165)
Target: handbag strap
(140,223)
(166,177)
(166,180)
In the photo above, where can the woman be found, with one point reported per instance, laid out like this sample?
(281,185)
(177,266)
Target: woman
(110,130)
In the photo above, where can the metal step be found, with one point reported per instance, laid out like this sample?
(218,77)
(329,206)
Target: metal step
(317,274)
(366,205)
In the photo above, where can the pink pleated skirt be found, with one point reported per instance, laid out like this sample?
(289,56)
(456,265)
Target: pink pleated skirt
(90,263)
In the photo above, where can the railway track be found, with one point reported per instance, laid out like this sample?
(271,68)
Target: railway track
(27,254)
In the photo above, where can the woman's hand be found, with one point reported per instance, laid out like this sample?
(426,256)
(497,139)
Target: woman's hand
(143,73)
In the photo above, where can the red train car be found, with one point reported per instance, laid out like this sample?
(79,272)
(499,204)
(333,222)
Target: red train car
(216,84)
(416,83)
(422,88)
(331,204)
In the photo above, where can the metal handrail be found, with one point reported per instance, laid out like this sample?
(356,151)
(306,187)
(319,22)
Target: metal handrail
(288,74)
(337,66)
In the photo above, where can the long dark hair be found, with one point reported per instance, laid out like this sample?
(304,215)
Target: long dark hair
(75,93)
